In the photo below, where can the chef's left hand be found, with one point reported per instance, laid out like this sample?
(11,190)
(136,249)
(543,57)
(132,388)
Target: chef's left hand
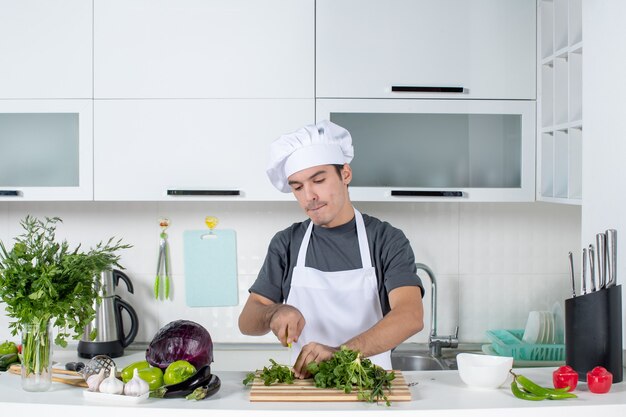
(311,352)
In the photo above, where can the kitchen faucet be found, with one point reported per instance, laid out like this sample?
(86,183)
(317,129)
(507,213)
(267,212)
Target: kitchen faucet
(435,342)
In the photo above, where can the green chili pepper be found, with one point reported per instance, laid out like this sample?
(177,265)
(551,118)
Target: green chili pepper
(534,392)
(525,395)
(536,389)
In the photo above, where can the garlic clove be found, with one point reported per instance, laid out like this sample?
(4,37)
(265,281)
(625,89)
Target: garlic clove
(93,382)
(136,387)
(111,385)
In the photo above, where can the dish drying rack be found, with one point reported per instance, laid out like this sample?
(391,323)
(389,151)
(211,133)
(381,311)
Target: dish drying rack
(510,343)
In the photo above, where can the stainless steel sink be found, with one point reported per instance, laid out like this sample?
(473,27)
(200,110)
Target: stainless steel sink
(415,358)
(417,363)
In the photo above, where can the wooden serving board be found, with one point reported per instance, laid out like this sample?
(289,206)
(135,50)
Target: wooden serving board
(305,390)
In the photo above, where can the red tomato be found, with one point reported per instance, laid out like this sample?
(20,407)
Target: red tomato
(599,380)
(565,377)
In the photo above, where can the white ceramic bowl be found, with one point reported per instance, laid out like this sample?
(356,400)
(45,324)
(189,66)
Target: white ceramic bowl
(483,371)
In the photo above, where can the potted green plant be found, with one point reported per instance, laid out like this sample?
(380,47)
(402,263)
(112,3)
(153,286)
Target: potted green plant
(46,285)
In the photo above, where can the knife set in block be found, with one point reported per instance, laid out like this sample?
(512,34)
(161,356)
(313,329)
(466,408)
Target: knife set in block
(593,332)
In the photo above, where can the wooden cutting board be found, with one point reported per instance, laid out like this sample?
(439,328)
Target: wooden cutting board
(304,390)
(69,377)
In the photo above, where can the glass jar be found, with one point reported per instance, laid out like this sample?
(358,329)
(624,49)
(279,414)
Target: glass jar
(37,356)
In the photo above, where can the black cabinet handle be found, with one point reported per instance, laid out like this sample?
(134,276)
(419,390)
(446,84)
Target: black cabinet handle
(425,89)
(10,193)
(404,193)
(180,193)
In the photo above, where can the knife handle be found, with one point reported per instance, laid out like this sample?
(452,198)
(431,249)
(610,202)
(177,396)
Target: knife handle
(611,256)
(592,268)
(601,256)
(583,284)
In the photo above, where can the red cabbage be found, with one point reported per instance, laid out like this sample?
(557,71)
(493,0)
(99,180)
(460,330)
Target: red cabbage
(180,340)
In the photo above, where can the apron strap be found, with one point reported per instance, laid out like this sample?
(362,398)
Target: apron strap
(304,246)
(364,246)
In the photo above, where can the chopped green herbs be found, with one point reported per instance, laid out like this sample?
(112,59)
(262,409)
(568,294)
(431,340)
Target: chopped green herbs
(275,373)
(347,371)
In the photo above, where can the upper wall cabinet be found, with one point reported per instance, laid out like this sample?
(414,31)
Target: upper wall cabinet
(183,150)
(46,150)
(45,49)
(478,49)
(204,49)
(438,150)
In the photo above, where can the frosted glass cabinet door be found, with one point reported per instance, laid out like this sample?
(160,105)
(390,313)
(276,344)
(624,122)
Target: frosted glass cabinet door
(185,150)
(415,150)
(45,49)
(46,150)
(204,48)
(485,47)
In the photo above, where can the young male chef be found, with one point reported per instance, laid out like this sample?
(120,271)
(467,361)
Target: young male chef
(340,278)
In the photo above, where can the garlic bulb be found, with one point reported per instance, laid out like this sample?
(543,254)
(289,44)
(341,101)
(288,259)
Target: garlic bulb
(93,382)
(136,387)
(111,385)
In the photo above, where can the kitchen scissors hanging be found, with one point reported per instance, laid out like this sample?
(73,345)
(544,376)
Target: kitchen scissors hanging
(163,264)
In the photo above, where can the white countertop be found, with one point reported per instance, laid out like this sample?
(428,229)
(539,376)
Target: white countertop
(436,393)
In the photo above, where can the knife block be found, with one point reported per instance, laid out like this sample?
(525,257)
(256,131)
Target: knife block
(593,332)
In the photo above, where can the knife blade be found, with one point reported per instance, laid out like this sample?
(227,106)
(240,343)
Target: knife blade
(601,258)
(611,256)
(592,268)
(571,270)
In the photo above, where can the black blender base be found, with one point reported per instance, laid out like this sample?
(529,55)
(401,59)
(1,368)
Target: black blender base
(90,349)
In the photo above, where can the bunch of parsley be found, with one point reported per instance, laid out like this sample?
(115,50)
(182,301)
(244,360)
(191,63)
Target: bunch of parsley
(43,281)
(346,370)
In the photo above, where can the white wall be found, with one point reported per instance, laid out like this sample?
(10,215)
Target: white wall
(604,114)
(494,262)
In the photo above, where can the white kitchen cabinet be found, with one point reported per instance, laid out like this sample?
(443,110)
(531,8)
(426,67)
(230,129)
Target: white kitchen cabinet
(187,150)
(46,150)
(483,48)
(45,49)
(560,114)
(204,49)
(438,150)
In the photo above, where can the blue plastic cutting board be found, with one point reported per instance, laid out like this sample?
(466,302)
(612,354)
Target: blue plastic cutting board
(210,268)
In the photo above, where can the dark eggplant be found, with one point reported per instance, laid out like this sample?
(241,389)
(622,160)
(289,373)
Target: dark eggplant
(186,387)
(207,390)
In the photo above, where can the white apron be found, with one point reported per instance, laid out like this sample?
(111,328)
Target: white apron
(336,305)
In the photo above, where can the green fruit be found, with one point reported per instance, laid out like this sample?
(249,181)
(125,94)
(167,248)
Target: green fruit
(7,348)
(177,372)
(153,376)
(127,373)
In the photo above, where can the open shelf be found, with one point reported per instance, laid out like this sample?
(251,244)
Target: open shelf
(575,21)
(575,86)
(547,23)
(560,110)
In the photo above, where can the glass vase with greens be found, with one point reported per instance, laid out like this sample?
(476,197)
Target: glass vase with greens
(46,285)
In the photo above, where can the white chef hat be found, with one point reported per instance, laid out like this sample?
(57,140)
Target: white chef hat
(323,143)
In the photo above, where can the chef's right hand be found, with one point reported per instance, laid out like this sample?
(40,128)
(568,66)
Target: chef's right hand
(287,323)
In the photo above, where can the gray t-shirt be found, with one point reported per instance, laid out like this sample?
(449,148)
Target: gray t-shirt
(337,249)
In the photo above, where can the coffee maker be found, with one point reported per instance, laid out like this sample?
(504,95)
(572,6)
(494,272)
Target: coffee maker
(111,339)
